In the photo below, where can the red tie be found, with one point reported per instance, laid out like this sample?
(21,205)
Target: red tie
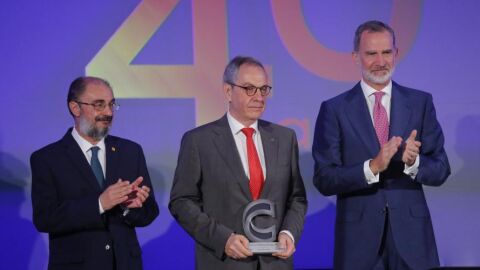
(380,119)
(254,167)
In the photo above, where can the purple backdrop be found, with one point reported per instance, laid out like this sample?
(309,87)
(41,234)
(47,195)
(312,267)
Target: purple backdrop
(165,61)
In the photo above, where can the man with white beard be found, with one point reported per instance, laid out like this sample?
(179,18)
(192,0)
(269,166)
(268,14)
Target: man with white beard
(90,189)
(375,146)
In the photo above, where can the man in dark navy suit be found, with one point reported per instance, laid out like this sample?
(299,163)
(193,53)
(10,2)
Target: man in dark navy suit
(375,146)
(89,189)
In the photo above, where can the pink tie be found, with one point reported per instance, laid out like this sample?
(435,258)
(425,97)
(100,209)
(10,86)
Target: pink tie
(254,167)
(380,119)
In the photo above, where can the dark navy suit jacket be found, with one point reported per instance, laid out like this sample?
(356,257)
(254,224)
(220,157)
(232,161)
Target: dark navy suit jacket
(65,196)
(344,139)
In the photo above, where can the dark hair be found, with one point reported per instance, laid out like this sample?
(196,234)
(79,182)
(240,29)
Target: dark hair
(78,86)
(231,70)
(372,27)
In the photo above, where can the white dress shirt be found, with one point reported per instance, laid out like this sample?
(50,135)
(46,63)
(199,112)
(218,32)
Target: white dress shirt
(86,150)
(368,93)
(241,143)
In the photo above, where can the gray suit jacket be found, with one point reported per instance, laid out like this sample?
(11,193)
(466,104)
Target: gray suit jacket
(210,191)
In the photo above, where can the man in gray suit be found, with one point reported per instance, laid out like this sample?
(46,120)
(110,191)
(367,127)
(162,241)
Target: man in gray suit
(220,171)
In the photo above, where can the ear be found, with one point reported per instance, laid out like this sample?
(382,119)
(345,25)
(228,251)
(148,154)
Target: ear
(227,90)
(355,58)
(74,108)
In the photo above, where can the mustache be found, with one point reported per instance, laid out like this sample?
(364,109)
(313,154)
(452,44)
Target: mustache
(106,118)
(381,69)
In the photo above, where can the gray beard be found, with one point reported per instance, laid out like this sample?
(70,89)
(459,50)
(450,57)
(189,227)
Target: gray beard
(92,131)
(378,79)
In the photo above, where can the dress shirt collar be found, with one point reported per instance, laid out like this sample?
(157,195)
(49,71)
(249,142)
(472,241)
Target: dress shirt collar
(236,126)
(368,90)
(86,145)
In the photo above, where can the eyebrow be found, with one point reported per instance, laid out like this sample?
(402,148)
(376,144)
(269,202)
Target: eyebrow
(375,52)
(102,100)
(251,84)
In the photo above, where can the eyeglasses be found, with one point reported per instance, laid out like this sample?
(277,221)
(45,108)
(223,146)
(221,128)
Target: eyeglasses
(101,105)
(252,90)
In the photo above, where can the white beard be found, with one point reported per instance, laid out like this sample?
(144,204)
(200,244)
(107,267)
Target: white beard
(378,79)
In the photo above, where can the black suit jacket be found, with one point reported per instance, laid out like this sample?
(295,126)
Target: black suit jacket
(65,196)
(210,191)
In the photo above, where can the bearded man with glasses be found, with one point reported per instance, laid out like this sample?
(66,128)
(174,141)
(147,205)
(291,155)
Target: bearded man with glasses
(89,189)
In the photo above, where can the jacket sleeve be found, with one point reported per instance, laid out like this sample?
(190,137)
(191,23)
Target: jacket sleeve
(143,216)
(52,213)
(186,201)
(331,176)
(297,199)
(434,166)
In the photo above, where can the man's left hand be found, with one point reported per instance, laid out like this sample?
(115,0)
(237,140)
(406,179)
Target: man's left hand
(138,195)
(411,150)
(286,243)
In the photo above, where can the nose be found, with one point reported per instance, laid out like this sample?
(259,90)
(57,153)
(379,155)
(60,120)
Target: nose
(258,96)
(380,60)
(108,110)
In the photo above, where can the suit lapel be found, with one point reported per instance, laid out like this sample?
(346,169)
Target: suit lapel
(112,152)
(400,112)
(77,158)
(357,112)
(227,149)
(270,150)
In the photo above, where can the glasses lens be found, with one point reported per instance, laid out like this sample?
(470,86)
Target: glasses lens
(99,106)
(251,90)
(264,90)
(113,106)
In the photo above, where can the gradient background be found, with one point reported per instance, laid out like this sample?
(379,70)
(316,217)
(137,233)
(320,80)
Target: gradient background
(165,60)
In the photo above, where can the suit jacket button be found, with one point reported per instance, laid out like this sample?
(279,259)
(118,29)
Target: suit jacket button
(107,247)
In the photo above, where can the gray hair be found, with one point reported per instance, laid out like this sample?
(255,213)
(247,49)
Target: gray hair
(231,70)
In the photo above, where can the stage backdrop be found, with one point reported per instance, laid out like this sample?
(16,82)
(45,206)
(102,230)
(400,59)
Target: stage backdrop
(164,59)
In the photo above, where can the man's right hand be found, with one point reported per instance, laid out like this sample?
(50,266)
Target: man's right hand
(237,247)
(115,194)
(381,161)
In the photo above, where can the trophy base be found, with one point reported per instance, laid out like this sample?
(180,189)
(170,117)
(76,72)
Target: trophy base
(264,247)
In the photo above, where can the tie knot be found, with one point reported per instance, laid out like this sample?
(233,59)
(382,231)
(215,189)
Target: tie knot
(378,96)
(248,132)
(94,150)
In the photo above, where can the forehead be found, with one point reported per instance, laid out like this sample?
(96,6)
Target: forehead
(251,74)
(376,40)
(97,91)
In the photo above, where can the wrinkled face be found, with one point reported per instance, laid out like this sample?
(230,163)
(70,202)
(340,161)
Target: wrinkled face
(93,124)
(376,58)
(246,109)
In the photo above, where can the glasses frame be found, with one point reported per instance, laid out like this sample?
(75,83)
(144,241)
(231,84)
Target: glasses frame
(101,105)
(246,88)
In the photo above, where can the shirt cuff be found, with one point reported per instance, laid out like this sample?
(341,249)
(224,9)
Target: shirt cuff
(100,208)
(289,235)
(125,211)
(369,176)
(412,170)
